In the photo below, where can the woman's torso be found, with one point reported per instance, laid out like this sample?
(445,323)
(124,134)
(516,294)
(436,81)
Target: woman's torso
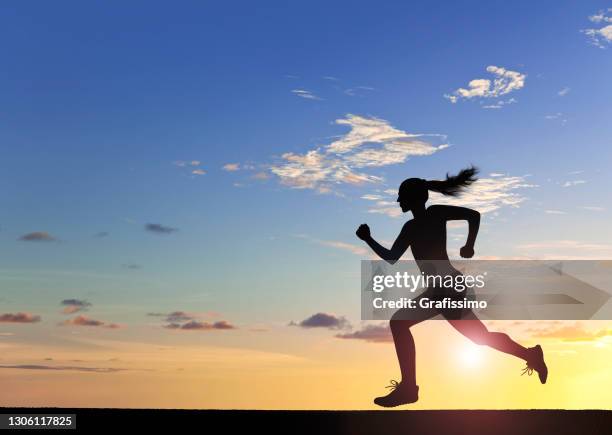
(428,244)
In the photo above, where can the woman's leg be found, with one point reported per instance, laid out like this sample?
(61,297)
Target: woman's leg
(405,349)
(405,391)
(400,324)
(471,327)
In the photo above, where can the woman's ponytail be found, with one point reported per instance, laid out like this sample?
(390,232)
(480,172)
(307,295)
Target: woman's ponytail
(454,184)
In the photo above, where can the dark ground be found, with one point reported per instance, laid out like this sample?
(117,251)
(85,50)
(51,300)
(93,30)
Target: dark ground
(519,422)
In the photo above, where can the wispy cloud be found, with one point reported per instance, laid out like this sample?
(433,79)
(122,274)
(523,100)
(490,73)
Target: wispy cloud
(563,92)
(62,368)
(186,321)
(323,320)
(185,163)
(195,325)
(370,143)
(574,332)
(353,249)
(601,35)
(191,166)
(358,91)
(174,316)
(19,318)
(500,104)
(231,167)
(37,236)
(573,183)
(349,247)
(72,306)
(566,245)
(565,249)
(370,333)
(485,195)
(159,228)
(558,116)
(504,82)
(372,197)
(86,321)
(131,266)
(303,93)
(261,176)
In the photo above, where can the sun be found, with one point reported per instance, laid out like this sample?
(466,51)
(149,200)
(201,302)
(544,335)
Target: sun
(470,355)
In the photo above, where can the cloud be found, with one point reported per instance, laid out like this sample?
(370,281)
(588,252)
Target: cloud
(485,195)
(178,316)
(370,333)
(37,236)
(352,248)
(323,320)
(371,197)
(558,116)
(592,208)
(565,245)
(573,183)
(187,321)
(86,321)
(358,91)
(72,306)
(195,325)
(231,167)
(101,234)
(62,368)
(261,176)
(303,93)
(132,266)
(565,250)
(563,92)
(499,104)
(191,165)
(504,82)
(19,318)
(600,36)
(575,332)
(554,212)
(183,163)
(159,229)
(370,143)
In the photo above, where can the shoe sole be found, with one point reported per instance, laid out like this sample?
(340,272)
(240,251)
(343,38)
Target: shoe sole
(413,399)
(543,376)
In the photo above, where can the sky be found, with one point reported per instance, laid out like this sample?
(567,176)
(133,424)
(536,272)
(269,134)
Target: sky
(181,184)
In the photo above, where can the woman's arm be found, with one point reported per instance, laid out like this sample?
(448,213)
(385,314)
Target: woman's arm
(449,212)
(389,255)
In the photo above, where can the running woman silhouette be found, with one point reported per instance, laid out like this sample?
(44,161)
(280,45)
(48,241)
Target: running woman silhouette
(425,234)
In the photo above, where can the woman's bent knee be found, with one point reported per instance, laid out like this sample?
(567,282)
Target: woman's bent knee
(400,325)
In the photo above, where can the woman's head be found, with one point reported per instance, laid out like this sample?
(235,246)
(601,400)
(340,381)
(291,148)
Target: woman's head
(414,192)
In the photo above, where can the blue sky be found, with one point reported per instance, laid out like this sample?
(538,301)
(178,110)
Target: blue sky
(102,104)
